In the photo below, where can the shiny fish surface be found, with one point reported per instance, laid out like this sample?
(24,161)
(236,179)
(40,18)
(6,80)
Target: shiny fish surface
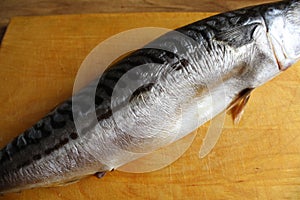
(234,52)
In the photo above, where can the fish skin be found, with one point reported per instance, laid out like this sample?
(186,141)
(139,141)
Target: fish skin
(237,45)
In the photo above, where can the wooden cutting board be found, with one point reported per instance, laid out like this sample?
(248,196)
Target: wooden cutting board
(257,159)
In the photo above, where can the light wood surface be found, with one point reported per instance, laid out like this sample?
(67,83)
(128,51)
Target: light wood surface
(257,159)
(12,8)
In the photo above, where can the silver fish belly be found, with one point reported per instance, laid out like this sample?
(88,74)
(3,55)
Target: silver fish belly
(235,51)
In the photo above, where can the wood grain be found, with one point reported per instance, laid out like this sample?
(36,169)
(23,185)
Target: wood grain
(12,8)
(258,159)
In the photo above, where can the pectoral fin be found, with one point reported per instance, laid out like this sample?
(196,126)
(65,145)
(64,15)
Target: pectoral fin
(238,105)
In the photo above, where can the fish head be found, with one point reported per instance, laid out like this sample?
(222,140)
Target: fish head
(283,25)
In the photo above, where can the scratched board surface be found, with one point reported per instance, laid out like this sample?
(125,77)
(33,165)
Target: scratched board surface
(257,159)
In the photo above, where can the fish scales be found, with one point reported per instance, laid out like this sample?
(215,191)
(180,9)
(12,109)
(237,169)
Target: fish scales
(234,46)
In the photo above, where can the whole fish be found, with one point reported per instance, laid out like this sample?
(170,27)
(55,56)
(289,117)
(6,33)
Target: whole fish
(231,53)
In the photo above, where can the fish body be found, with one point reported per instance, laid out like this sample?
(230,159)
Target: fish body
(226,56)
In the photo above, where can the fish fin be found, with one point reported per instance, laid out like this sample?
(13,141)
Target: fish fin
(100,174)
(238,105)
